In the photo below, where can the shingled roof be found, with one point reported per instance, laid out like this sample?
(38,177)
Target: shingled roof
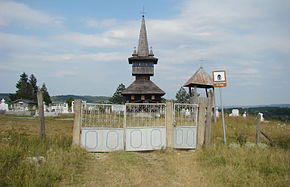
(143,42)
(200,79)
(143,87)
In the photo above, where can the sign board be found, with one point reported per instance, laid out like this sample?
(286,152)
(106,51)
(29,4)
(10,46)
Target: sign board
(219,78)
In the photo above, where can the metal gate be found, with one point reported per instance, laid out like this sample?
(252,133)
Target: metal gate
(102,127)
(136,126)
(145,126)
(185,126)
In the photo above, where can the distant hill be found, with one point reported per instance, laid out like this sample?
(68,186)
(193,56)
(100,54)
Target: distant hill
(89,99)
(63,98)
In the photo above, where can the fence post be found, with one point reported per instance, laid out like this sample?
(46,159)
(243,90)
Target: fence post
(214,106)
(169,123)
(258,129)
(40,113)
(207,133)
(77,122)
(201,122)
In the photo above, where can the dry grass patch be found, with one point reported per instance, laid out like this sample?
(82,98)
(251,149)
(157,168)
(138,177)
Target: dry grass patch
(246,164)
(156,168)
(27,160)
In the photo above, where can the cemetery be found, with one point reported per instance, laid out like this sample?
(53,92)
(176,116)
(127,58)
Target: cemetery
(144,140)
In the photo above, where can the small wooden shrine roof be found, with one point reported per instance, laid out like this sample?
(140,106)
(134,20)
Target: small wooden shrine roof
(200,79)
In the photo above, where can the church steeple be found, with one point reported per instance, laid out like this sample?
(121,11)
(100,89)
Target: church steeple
(143,49)
(143,61)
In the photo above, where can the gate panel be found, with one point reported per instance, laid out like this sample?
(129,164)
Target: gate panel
(185,127)
(145,138)
(102,127)
(145,126)
(102,140)
(185,137)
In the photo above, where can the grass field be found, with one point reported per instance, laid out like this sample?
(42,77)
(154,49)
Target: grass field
(241,163)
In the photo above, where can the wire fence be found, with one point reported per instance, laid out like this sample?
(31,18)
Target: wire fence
(103,115)
(185,114)
(136,115)
(145,115)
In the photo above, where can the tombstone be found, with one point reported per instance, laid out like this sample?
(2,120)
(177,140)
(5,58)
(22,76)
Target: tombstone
(44,107)
(187,113)
(65,108)
(217,112)
(235,113)
(72,106)
(183,111)
(107,110)
(245,115)
(262,118)
(3,106)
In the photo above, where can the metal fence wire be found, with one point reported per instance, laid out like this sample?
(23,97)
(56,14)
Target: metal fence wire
(185,114)
(136,115)
(102,115)
(145,115)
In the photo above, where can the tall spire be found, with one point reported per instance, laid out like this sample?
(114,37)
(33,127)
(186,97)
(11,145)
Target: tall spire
(143,49)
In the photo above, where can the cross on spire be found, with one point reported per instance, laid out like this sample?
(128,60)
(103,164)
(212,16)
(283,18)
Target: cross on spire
(143,12)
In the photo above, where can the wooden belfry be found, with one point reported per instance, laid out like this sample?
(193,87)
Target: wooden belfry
(200,79)
(143,60)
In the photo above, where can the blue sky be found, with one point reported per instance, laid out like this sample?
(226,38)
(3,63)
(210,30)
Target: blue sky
(81,47)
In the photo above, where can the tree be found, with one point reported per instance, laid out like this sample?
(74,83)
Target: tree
(34,87)
(24,89)
(182,96)
(117,97)
(46,97)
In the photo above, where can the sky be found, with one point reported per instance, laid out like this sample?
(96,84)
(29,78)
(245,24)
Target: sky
(82,47)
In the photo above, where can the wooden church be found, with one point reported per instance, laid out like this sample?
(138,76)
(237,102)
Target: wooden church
(143,90)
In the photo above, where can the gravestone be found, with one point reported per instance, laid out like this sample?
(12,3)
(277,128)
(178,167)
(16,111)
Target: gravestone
(235,113)
(3,106)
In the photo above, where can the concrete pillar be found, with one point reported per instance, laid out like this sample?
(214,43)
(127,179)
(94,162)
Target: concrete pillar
(169,123)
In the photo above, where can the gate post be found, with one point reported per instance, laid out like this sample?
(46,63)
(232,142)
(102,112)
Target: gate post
(201,122)
(77,122)
(169,123)
(207,133)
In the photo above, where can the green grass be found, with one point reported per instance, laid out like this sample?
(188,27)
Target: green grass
(19,142)
(243,165)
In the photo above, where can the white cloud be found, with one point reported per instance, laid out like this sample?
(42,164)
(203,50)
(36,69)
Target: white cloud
(80,57)
(247,38)
(20,14)
(93,23)
(89,40)
(18,42)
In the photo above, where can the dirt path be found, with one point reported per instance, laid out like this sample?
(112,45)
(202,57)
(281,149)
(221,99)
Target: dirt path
(157,168)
